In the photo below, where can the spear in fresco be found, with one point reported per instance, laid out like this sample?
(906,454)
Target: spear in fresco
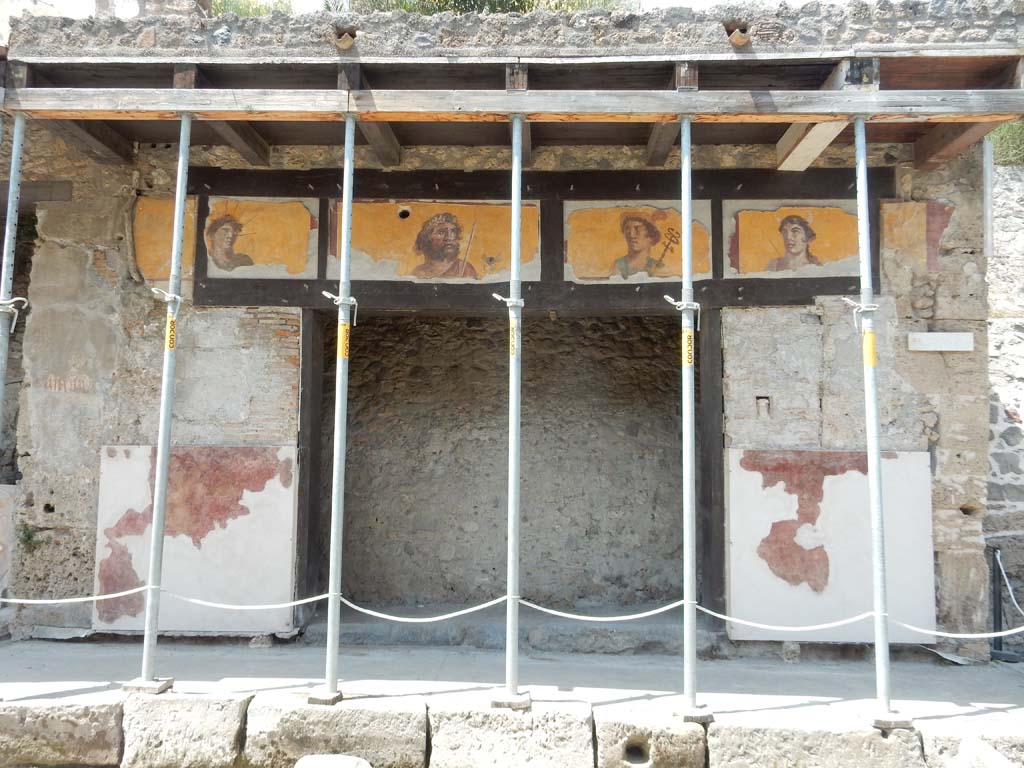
(465,256)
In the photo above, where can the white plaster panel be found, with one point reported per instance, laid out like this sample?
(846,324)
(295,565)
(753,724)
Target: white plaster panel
(244,556)
(757,592)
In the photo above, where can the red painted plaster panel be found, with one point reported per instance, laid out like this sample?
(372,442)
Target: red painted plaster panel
(802,474)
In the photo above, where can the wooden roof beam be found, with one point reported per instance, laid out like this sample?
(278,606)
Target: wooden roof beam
(237,134)
(95,138)
(663,135)
(517,79)
(380,136)
(942,143)
(803,143)
(659,106)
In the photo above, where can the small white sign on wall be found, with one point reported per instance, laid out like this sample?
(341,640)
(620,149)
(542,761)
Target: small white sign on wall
(940,341)
(799,543)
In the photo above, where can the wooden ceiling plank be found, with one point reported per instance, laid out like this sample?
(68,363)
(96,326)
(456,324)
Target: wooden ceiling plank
(237,134)
(944,142)
(802,143)
(379,135)
(495,106)
(517,78)
(685,77)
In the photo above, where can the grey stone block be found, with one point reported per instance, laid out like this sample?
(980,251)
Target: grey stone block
(183,730)
(51,732)
(650,738)
(332,761)
(468,733)
(385,731)
(943,750)
(737,746)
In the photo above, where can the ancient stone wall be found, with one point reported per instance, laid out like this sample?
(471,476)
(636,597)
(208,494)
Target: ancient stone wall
(1004,524)
(92,363)
(804,363)
(809,26)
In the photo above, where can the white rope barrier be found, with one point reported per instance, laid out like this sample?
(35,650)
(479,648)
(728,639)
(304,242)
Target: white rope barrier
(580,617)
(1009,586)
(237,607)
(528,604)
(961,635)
(780,628)
(70,600)
(423,619)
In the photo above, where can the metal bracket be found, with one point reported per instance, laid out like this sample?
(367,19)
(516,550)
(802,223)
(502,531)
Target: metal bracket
(169,298)
(508,302)
(684,305)
(347,300)
(858,310)
(11,306)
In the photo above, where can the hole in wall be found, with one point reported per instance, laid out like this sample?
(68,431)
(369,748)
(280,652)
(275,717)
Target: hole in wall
(48,507)
(404,212)
(969,510)
(637,751)
(763,403)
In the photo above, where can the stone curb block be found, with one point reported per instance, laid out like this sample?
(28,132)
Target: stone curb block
(549,735)
(183,731)
(988,751)
(385,731)
(650,739)
(733,746)
(50,733)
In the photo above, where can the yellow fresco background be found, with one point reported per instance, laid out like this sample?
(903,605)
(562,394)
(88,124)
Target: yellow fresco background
(152,230)
(760,241)
(379,232)
(272,232)
(594,240)
(905,229)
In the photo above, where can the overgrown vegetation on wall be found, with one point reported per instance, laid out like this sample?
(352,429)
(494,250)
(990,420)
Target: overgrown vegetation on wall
(1008,144)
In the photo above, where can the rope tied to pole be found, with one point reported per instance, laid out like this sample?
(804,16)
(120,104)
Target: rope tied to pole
(168,298)
(10,306)
(859,310)
(346,300)
(682,306)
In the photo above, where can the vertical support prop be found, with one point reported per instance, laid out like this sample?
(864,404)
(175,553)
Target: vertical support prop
(346,315)
(511,696)
(172,297)
(8,305)
(885,718)
(689,324)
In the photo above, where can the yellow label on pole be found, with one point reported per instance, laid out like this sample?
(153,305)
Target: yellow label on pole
(688,346)
(870,354)
(512,339)
(343,340)
(172,332)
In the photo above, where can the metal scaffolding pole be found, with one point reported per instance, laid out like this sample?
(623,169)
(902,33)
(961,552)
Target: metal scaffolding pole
(9,305)
(885,718)
(346,309)
(171,296)
(511,696)
(690,313)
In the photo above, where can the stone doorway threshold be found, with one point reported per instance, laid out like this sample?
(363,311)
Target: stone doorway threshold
(62,704)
